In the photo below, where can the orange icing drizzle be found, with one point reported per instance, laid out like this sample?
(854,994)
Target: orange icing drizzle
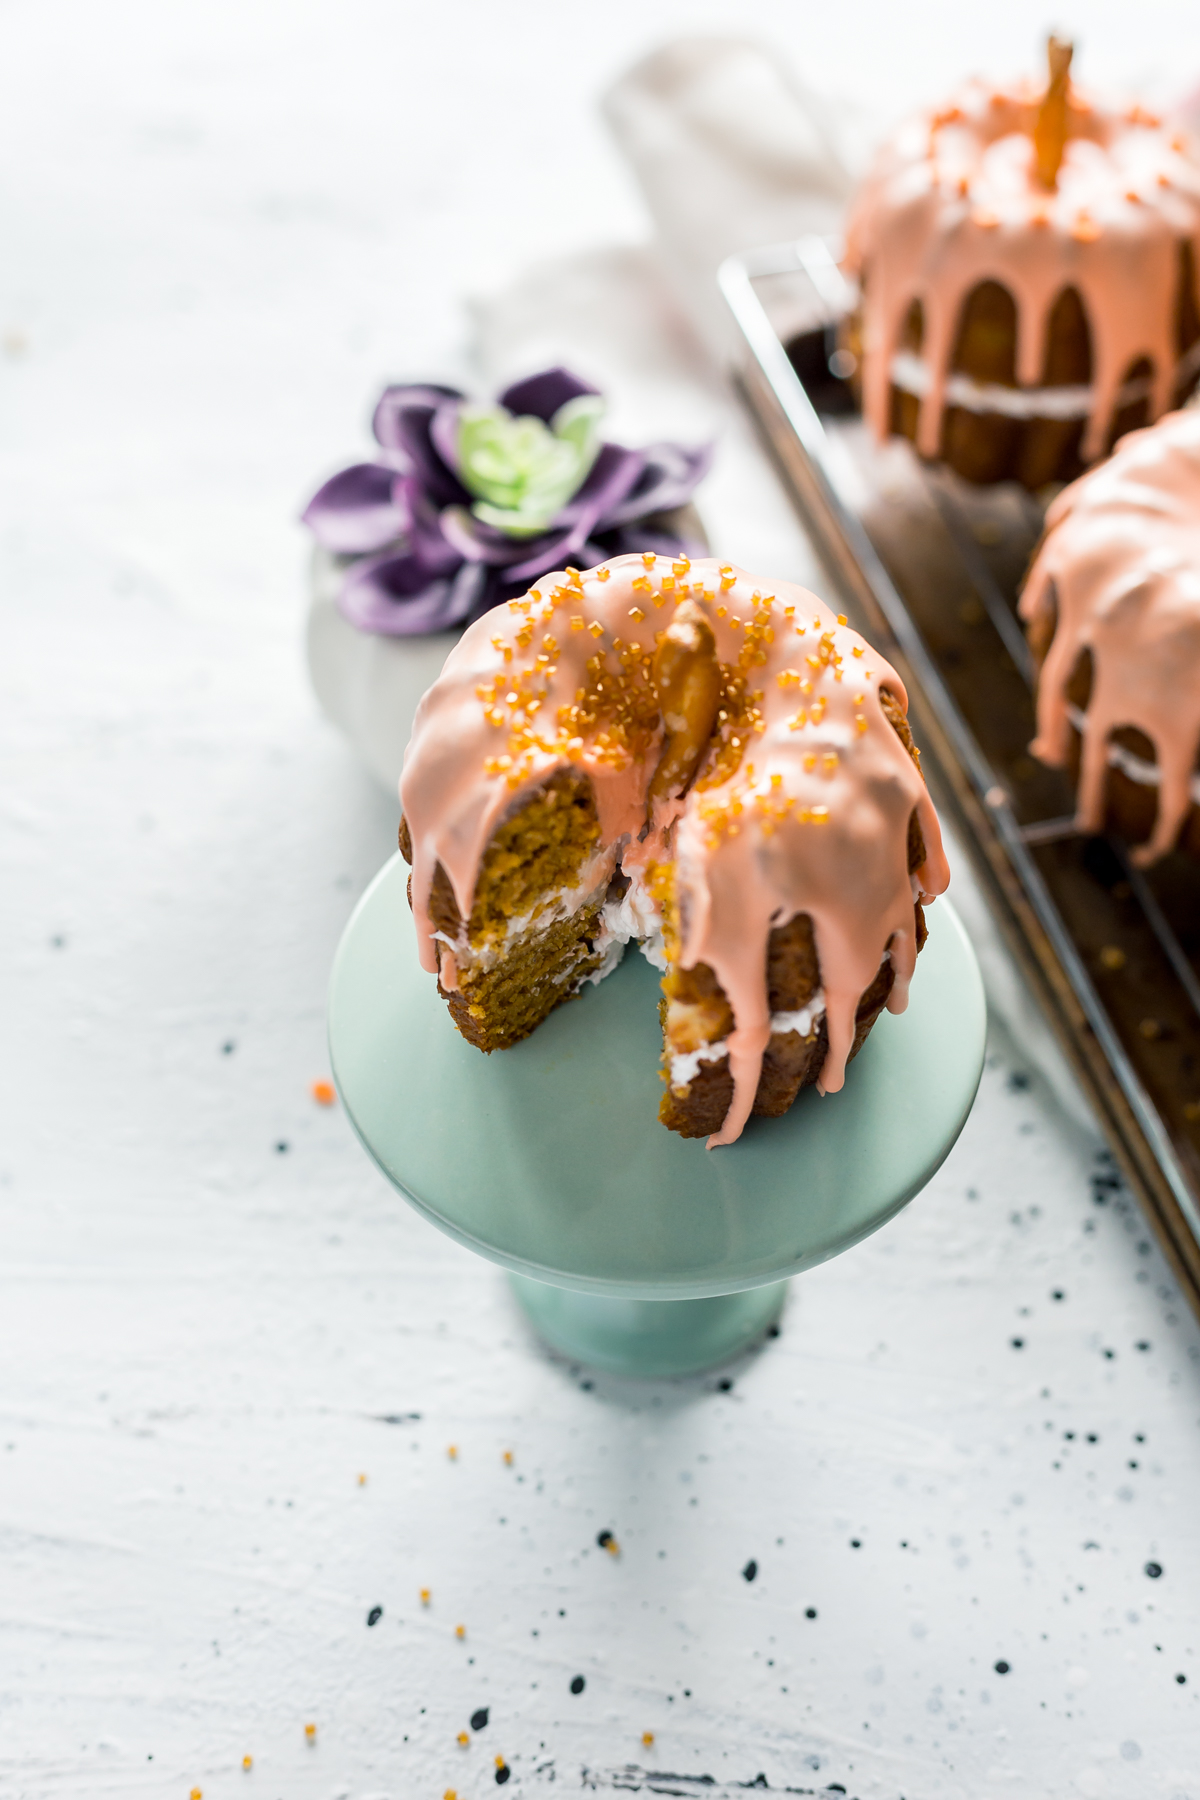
(1119,569)
(957,198)
(805,809)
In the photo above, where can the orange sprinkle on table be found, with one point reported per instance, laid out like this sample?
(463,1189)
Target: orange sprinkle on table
(508,1458)
(195,1794)
(362,1481)
(452,1452)
(426,1596)
(647,1737)
(460,1631)
(464,1737)
(324,1093)
(247,1762)
(310,1732)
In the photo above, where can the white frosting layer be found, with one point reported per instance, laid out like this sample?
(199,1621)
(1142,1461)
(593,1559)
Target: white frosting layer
(686,1065)
(1146,774)
(911,374)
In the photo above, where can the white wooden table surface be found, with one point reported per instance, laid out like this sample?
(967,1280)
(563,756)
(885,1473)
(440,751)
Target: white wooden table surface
(221,228)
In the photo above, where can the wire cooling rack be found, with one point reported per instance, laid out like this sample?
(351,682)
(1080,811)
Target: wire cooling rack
(930,568)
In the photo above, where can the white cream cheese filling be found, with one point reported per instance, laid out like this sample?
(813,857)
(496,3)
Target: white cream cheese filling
(911,374)
(1146,774)
(685,1066)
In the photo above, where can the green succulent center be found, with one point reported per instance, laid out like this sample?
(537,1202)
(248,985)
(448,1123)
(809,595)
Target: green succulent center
(521,471)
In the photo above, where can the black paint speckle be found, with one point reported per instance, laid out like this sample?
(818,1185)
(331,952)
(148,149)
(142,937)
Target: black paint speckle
(1017,1343)
(604,1539)
(502,1774)
(750,1570)
(772,1331)
(577,1684)
(724,1385)
(1181,1679)
(586,1387)
(1058,1294)
(479,1718)
(58,942)
(1153,1570)
(228,1047)
(282,1147)
(374,1616)
(810,1612)
(856,1543)
(1142,1344)
(1001,1667)
(1018,1081)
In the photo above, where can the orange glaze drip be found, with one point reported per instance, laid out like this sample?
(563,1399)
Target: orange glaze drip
(813,819)
(956,199)
(1119,571)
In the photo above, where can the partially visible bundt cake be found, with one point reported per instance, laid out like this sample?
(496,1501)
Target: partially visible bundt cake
(1027,268)
(676,754)
(1112,609)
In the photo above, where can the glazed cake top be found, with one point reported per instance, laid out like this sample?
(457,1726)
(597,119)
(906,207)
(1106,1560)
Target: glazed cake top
(1118,575)
(968,194)
(801,804)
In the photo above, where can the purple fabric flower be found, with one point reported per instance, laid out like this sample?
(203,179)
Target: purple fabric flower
(467,506)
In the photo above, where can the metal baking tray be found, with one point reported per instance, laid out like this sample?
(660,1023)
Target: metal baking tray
(929,568)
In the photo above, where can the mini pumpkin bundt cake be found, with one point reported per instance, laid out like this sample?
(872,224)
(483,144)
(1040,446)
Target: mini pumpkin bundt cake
(676,754)
(1027,270)
(1112,610)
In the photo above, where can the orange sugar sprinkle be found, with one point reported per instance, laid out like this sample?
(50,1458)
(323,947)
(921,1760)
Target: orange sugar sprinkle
(463,1737)
(820,815)
(860,721)
(426,1596)
(450,1794)
(196,1794)
(1085,229)
(987,221)
(647,1738)
(1132,195)
(635,612)
(721,611)
(830,759)
(649,558)
(596,628)
(460,1632)
(310,1731)
(576,621)
(247,1762)
(573,576)
(842,619)
(681,565)
(324,1093)
(602,574)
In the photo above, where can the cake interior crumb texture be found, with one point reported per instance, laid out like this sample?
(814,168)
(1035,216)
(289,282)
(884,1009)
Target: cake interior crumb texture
(537,935)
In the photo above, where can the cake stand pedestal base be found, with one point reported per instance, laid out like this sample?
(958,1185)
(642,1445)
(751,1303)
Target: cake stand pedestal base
(631,1248)
(648,1337)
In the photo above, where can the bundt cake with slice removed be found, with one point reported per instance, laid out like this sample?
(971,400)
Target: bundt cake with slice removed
(1026,260)
(678,755)
(1111,607)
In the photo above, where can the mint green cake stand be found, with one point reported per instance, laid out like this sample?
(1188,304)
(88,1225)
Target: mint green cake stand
(630,1248)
